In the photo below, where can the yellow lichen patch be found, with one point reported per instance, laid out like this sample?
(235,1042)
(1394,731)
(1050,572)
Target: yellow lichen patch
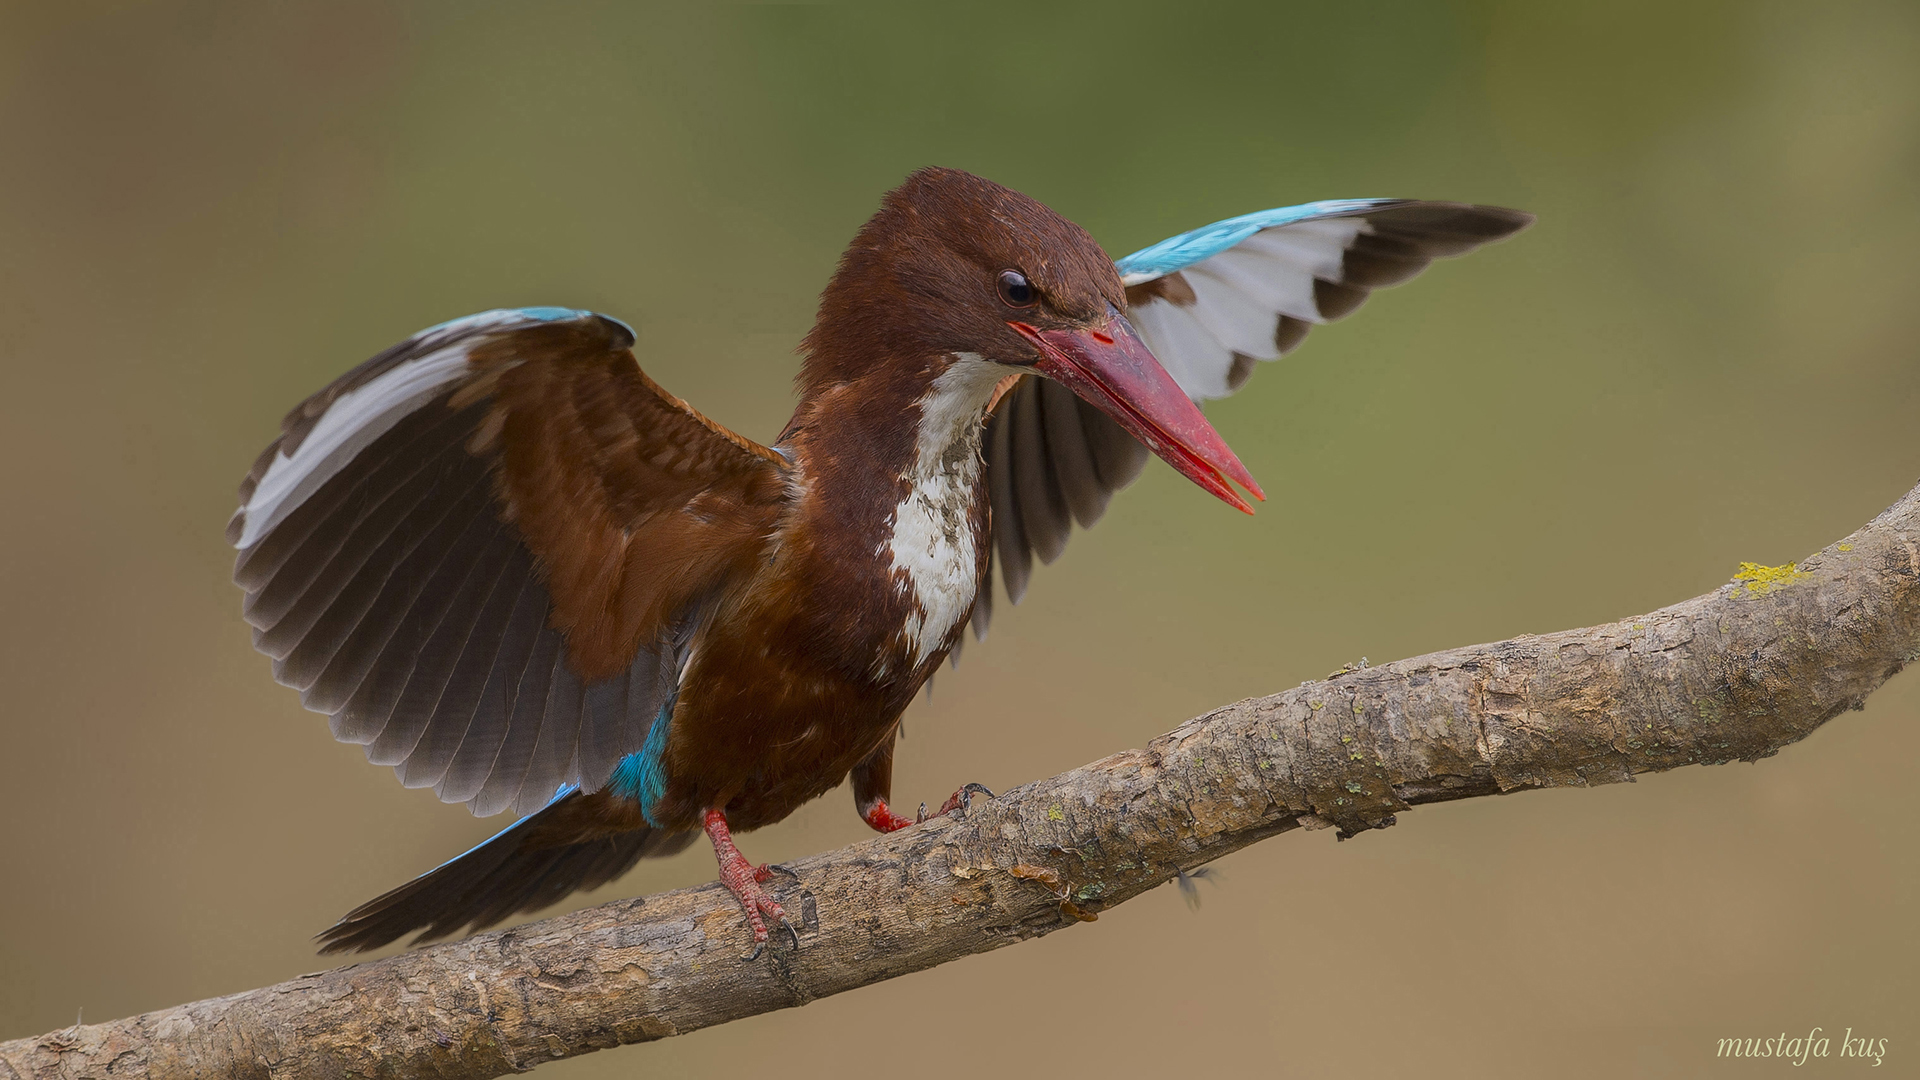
(1760,580)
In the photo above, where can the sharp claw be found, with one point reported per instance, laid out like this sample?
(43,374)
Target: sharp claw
(796,934)
(963,799)
(783,869)
(923,815)
(758,948)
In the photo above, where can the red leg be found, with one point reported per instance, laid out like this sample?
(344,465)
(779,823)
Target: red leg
(743,880)
(883,819)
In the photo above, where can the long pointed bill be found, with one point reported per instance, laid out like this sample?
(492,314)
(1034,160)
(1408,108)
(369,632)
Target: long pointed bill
(1112,370)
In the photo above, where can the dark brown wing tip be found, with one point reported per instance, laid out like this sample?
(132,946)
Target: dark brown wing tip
(1500,222)
(1467,222)
(618,334)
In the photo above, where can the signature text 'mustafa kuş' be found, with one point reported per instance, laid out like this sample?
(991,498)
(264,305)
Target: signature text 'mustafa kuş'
(1800,1048)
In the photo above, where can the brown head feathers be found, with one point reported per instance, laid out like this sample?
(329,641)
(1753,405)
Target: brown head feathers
(919,279)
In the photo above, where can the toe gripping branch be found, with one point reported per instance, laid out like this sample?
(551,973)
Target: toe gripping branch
(744,881)
(958,800)
(881,816)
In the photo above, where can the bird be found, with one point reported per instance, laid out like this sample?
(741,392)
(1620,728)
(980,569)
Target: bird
(520,572)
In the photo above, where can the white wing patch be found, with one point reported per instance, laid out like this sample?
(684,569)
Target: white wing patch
(1313,246)
(1195,358)
(1238,299)
(352,423)
(1236,314)
(361,415)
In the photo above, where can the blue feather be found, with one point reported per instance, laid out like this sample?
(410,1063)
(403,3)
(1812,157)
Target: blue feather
(560,314)
(497,320)
(554,314)
(642,775)
(564,791)
(1178,252)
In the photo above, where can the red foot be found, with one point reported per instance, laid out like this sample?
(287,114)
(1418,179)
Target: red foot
(957,800)
(883,819)
(743,880)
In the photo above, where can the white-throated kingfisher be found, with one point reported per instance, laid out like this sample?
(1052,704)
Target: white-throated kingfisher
(523,574)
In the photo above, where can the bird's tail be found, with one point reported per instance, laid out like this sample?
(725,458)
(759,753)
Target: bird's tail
(575,842)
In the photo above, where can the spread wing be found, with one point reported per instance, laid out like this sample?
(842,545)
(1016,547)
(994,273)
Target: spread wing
(481,552)
(1210,304)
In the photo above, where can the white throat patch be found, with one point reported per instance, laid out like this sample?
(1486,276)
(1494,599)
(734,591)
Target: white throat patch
(932,539)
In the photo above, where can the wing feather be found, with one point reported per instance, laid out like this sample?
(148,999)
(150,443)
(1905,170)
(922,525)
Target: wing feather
(350,553)
(353,665)
(1211,304)
(316,528)
(1190,352)
(396,699)
(1043,509)
(614,717)
(559,733)
(982,603)
(1277,284)
(526,720)
(1069,454)
(1009,533)
(1253,284)
(1239,322)
(474,551)
(1117,455)
(486,732)
(470,637)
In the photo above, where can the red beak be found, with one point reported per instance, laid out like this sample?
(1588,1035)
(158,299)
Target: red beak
(1113,370)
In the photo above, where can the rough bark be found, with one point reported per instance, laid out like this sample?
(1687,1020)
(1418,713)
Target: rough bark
(1735,674)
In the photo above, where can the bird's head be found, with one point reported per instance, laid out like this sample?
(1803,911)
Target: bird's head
(955,268)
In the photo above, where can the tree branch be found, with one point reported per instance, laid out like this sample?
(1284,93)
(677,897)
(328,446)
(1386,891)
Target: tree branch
(1736,674)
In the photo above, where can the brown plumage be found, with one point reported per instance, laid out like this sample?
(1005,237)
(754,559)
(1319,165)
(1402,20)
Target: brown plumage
(522,573)
(630,501)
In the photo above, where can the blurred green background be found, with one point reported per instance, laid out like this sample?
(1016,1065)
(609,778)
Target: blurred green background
(1704,352)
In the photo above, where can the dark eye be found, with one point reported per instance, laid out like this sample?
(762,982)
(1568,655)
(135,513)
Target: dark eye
(1016,290)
